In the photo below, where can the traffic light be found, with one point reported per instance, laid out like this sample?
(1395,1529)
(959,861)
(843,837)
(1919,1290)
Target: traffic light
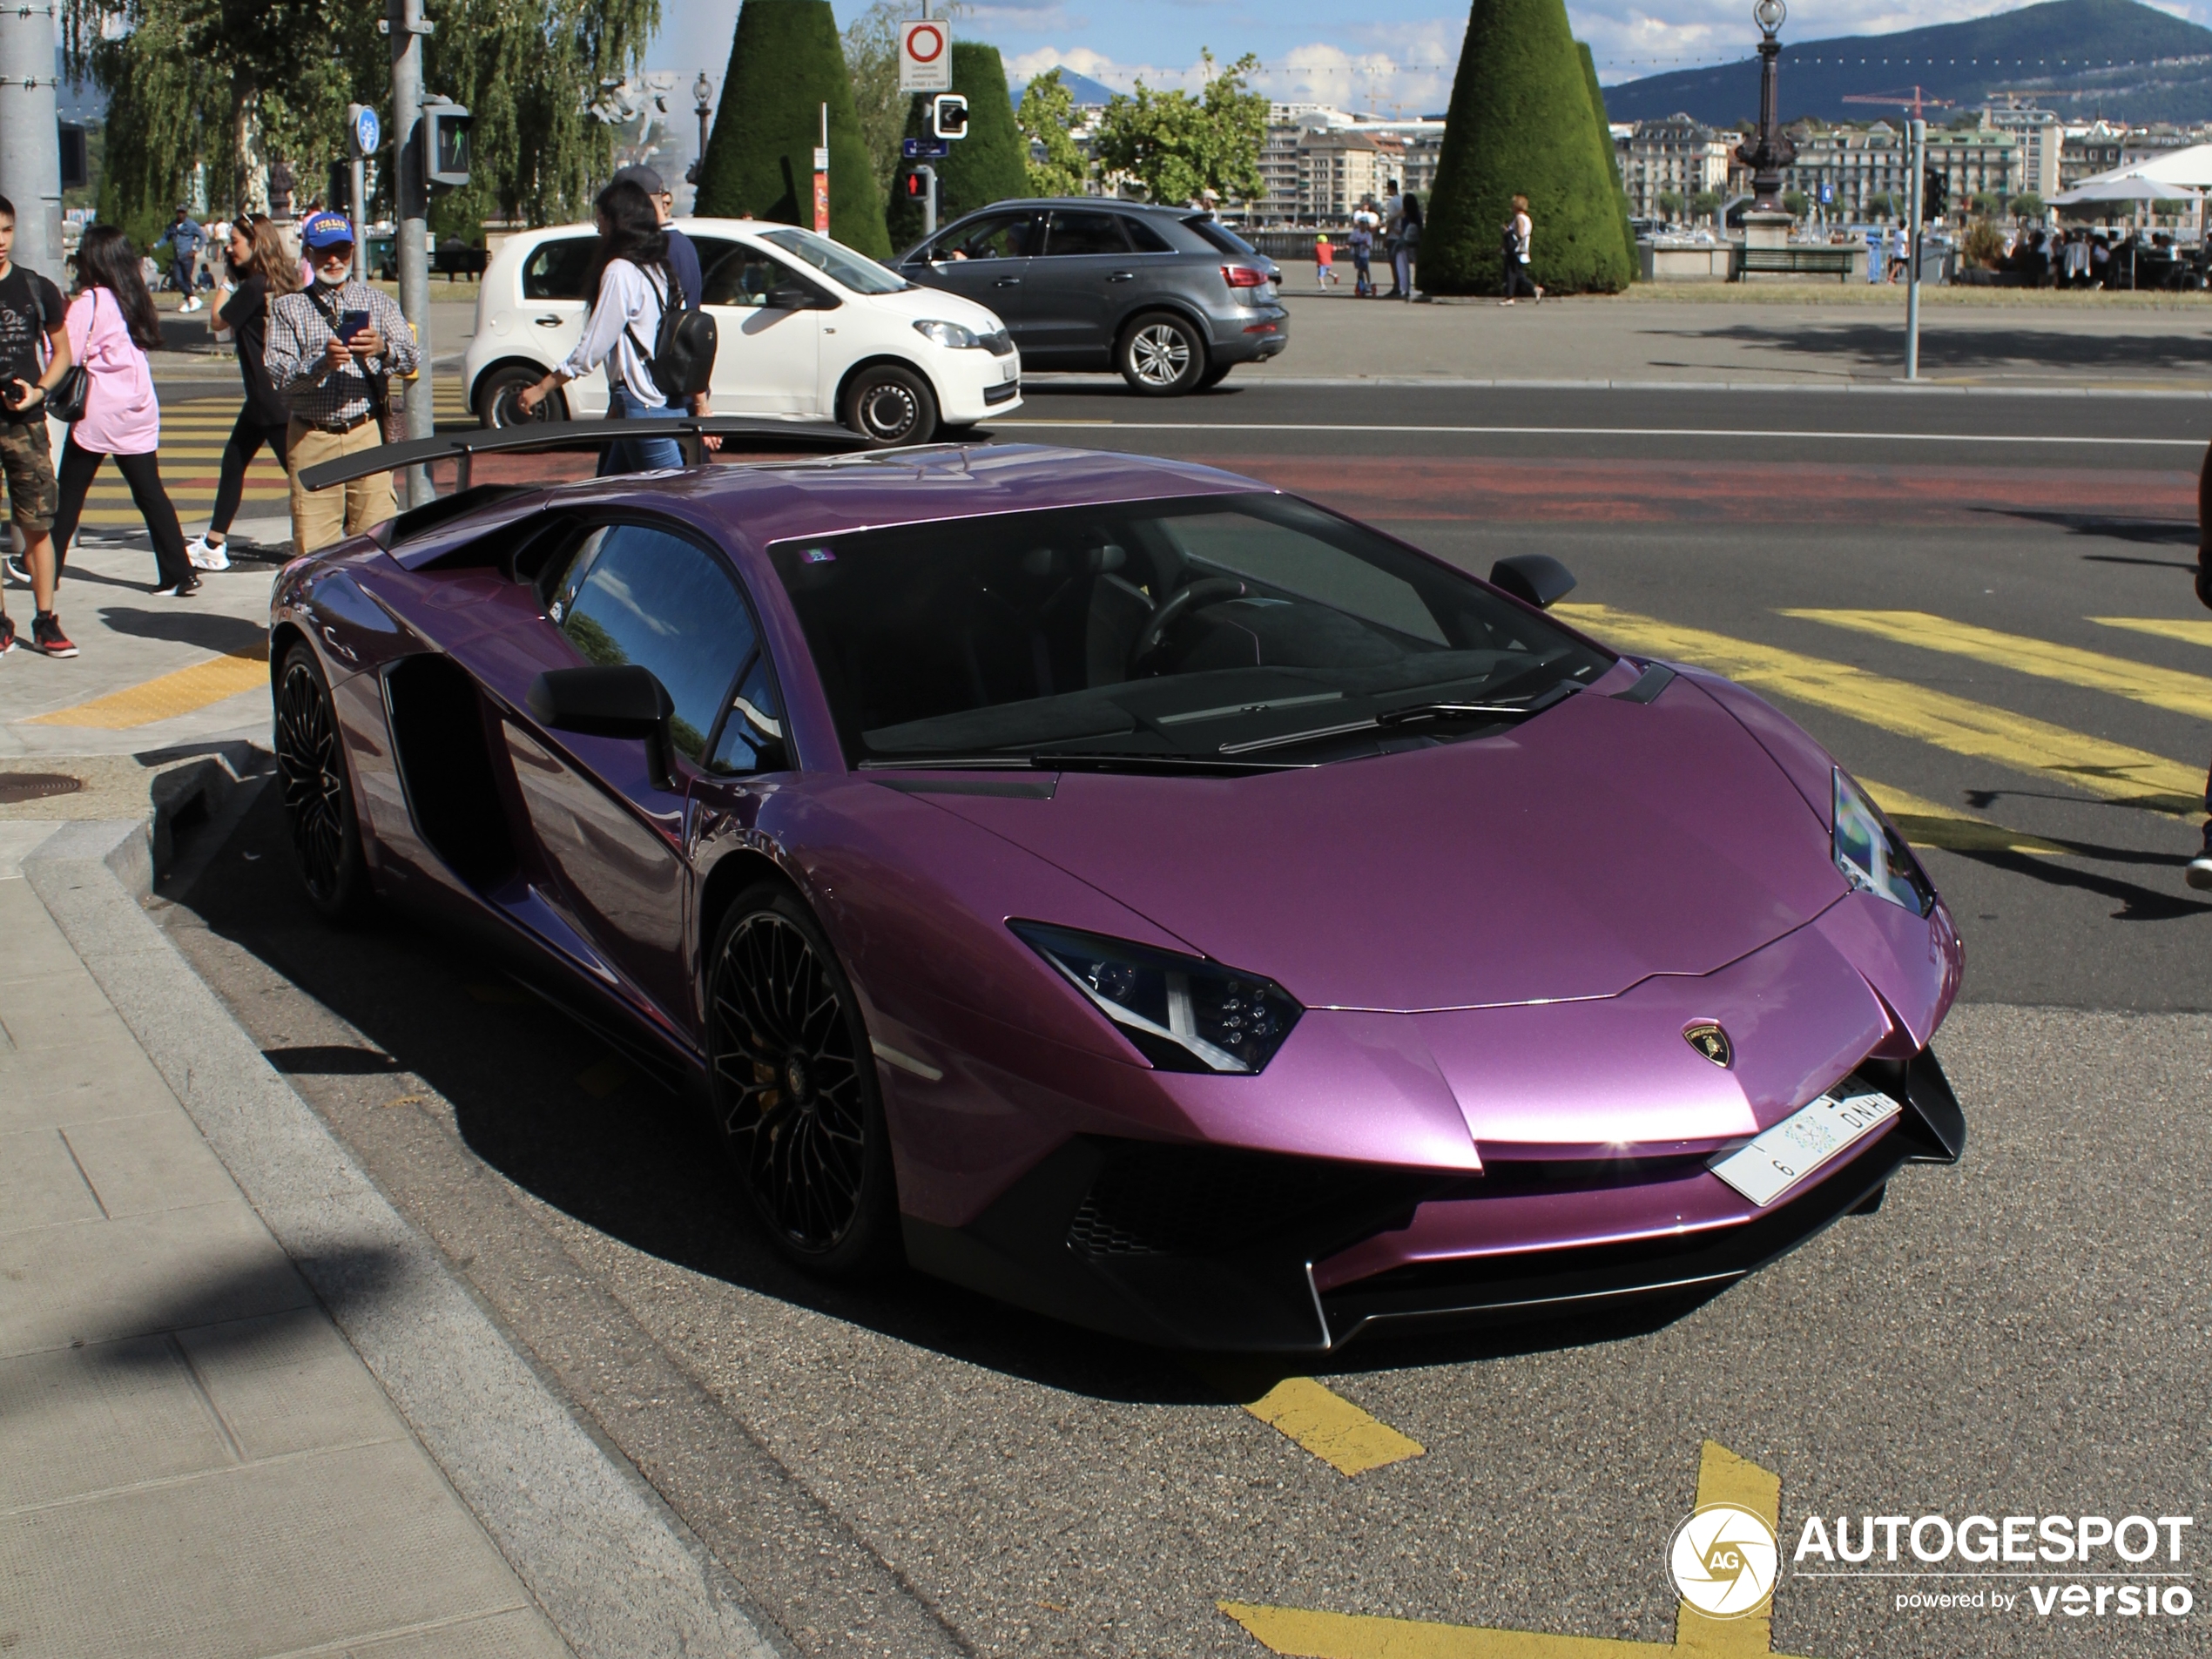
(445,144)
(948,115)
(916,187)
(1935,193)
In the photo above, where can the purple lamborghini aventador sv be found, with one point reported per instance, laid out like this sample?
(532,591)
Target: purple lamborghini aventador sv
(1131,891)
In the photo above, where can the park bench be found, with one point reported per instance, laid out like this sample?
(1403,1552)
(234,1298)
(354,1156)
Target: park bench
(1793,262)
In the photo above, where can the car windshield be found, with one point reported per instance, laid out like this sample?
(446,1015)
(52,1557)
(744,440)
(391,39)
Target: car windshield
(1222,630)
(837,262)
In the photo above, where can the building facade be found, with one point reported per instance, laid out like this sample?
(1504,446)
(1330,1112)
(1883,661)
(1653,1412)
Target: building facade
(2042,136)
(1677,157)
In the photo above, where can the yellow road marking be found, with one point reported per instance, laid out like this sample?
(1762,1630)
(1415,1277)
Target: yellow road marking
(2189,632)
(2162,688)
(1927,822)
(1722,1477)
(2036,747)
(1332,1427)
(165,697)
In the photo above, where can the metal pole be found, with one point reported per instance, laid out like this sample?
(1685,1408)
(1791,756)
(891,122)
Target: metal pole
(1913,264)
(413,193)
(361,220)
(929,199)
(30,139)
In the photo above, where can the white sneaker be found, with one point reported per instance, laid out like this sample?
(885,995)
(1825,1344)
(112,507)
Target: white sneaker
(193,304)
(2199,873)
(205,554)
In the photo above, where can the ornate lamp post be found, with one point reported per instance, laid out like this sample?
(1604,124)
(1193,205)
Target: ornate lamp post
(703,96)
(1774,151)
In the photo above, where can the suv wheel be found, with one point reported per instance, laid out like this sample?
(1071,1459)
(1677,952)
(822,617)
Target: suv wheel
(888,405)
(495,395)
(1160,355)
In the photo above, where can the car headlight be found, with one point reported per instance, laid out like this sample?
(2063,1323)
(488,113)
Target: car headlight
(1873,856)
(1182,1013)
(948,333)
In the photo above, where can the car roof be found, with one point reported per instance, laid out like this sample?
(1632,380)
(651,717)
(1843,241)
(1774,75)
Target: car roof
(1113,202)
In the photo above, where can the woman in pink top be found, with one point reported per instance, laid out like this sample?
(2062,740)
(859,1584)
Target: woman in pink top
(112,323)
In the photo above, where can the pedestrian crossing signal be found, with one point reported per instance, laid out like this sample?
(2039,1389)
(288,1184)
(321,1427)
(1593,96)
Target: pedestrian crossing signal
(917,186)
(445,144)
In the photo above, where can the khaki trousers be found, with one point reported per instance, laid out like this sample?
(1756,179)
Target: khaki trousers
(321,516)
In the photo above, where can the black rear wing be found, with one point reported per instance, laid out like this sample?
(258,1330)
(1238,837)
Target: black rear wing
(690,431)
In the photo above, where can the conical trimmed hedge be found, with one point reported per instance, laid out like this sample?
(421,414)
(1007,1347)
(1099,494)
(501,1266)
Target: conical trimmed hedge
(1605,153)
(1520,123)
(785,63)
(988,165)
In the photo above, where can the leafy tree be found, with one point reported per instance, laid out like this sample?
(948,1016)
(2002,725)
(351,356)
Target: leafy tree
(1988,204)
(1796,203)
(1047,119)
(784,64)
(1178,147)
(1705,203)
(872,61)
(2027,204)
(1519,124)
(1881,205)
(1604,132)
(1669,202)
(989,165)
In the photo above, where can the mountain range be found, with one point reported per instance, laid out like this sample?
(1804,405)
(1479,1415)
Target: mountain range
(2083,59)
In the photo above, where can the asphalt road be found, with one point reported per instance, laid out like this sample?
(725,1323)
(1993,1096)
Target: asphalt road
(911,1469)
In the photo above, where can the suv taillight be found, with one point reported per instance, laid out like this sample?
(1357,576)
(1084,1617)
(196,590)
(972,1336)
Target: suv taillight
(1244,276)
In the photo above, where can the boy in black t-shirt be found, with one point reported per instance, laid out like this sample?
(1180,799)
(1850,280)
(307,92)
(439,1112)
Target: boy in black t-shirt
(29,306)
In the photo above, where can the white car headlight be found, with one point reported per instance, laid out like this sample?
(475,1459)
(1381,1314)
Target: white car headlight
(950,334)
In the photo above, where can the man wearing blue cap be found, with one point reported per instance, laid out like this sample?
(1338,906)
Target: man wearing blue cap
(332,353)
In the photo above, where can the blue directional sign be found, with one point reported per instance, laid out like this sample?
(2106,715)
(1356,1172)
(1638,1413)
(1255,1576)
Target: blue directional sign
(366,131)
(1828,195)
(925,149)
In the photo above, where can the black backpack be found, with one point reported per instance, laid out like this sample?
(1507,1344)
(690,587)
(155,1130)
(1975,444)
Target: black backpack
(682,360)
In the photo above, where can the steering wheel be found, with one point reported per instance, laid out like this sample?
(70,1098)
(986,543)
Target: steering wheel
(1213,590)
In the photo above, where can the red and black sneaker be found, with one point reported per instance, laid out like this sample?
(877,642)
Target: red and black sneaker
(46,635)
(7,633)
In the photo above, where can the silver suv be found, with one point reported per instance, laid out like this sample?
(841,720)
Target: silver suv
(1169,297)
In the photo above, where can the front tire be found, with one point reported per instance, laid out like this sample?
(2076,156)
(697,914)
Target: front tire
(889,406)
(495,395)
(318,792)
(1160,355)
(793,1081)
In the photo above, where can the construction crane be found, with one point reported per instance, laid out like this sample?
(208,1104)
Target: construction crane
(1918,104)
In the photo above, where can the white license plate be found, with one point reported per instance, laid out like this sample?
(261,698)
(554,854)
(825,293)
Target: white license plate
(1781,1157)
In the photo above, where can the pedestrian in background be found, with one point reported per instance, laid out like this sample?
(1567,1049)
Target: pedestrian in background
(186,239)
(111,325)
(1362,243)
(262,268)
(1394,212)
(332,349)
(683,259)
(1409,244)
(31,329)
(1325,262)
(1518,244)
(630,286)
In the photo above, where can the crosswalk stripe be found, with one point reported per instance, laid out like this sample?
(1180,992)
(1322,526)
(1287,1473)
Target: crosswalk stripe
(2162,688)
(2024,744)
(2189,632)
(1927,822)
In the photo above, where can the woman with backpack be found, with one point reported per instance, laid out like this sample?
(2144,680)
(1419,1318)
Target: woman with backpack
(630,285)
(111,325)
(264,270)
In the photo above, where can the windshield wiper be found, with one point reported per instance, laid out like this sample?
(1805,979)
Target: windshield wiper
(1413,713)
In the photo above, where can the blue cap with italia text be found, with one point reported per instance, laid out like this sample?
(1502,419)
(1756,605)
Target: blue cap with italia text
(326,230)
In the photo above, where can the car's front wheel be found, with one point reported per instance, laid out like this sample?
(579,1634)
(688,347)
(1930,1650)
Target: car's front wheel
(317,791)
(889,405)
(1161,355)
(793,1086)
(497,392)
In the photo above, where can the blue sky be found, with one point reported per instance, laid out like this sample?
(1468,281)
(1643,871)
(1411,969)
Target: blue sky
(1378,54)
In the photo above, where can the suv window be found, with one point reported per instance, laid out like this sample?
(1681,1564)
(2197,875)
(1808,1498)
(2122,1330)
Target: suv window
(1220,235)
(1001,236)
(1084,233)
(1145,239)
(636,594)
(556,270)
(746,277)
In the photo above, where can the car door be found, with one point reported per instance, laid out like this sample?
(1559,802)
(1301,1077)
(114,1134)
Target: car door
(614,840)
(767,358)
(551,319)
(985,259)
(1076,286)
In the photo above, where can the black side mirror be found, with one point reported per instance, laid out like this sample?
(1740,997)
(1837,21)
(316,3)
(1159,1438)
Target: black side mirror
(1533,578)
(624,701)
(791,296)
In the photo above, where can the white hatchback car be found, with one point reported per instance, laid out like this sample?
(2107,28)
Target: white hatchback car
(806,327)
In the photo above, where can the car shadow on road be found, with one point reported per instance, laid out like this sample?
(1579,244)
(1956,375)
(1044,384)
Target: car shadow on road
(1953,348)
(545,1104)
(2149,532)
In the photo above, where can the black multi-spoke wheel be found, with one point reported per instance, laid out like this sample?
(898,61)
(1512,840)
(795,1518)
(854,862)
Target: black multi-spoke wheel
(794,1086)
(318,795)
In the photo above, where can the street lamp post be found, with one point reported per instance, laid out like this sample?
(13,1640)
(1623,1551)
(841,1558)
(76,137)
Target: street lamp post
(703,96)
(1774,150)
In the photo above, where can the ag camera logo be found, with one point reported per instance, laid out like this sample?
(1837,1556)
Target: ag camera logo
(1723,1559)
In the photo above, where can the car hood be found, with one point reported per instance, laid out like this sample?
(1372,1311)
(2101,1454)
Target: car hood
(917,303)
(1599,844)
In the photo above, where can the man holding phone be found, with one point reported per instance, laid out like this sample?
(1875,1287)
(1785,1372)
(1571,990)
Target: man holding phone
(29,306)
(332,353)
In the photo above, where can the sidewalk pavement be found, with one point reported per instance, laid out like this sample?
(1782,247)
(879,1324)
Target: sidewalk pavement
(246,1409)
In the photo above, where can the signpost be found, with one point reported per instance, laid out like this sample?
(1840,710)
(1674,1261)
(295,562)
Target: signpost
(365,136)
(925,149)
(925,56)
(821,178)
(1912,263)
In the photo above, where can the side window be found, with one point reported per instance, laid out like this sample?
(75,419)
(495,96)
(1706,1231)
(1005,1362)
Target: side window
(752,735)
(1145,239)
(746,276)
(1001,236)
(1081,232)
(635,594)
(556,270)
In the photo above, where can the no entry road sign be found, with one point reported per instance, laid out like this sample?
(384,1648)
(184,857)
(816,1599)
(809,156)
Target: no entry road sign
(926,57)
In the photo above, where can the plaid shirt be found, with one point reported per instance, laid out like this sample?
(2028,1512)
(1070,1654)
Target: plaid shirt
(315,393)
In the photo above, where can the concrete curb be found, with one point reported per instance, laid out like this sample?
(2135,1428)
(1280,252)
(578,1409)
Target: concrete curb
(1894,389)
(615,1570)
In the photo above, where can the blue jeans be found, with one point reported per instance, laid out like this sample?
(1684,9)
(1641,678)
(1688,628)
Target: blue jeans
(637,455)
